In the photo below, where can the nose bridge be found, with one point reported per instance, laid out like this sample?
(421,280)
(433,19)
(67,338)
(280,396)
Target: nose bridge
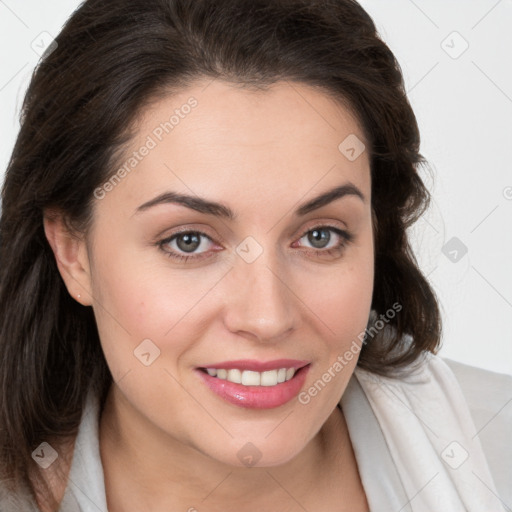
(259,301)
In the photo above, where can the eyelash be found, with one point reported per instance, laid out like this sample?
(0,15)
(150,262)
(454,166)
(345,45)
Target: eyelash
(345,237)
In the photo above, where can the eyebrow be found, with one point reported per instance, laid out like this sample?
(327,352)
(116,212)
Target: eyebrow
(221,210)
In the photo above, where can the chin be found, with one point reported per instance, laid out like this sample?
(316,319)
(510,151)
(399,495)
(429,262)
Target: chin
(257,451)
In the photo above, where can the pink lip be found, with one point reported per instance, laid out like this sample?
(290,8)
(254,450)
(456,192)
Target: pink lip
(257,366)
(256,397)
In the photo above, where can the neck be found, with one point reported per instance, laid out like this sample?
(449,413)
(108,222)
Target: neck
(157,472)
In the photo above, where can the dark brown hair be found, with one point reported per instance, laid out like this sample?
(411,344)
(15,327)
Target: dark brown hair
(112,58)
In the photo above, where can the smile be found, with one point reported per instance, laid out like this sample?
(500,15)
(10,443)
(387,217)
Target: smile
(250,378)
(253,384)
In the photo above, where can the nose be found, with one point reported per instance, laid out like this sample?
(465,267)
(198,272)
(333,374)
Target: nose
(260,303)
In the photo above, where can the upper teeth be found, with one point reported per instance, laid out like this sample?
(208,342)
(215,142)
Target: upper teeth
(250,378)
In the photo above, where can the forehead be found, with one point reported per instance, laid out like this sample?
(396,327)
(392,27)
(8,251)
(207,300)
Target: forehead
(218,139)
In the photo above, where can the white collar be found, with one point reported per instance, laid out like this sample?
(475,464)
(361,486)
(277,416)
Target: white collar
(408,434)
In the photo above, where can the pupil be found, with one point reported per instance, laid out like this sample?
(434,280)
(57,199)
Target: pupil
(316,238)
(190,242)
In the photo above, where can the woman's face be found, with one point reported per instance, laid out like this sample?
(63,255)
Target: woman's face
(256,282)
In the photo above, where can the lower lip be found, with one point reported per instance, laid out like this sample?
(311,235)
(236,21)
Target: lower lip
(256,397)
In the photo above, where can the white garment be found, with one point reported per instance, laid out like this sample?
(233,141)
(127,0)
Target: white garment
(435,461)
(414,439)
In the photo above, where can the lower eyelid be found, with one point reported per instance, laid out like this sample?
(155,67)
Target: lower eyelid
(345,238)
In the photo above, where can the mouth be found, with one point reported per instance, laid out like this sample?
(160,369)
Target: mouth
(256,385)
(252,378)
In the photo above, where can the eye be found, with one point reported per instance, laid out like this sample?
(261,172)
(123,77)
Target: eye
(323,242)
(319,237)
(196,245)
(184,245)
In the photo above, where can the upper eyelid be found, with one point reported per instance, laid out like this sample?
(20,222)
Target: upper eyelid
(302,233)
(327,221)
(185,231)
(346,236)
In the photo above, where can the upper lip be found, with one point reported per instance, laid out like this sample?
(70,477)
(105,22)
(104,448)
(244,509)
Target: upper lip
(258,366)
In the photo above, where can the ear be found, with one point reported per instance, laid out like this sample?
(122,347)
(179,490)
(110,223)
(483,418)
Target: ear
(71,255)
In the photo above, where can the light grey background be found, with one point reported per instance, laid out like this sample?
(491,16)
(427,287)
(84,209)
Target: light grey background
(462,98)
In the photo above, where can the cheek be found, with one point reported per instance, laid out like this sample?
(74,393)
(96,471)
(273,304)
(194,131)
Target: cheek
(143,299)
(140,296)
(342,306)
(341,297)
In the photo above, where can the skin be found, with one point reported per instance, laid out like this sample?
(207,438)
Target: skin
(167,442)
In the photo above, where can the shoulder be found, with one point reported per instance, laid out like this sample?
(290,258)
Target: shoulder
(489,398)
(488,394)
(20,501)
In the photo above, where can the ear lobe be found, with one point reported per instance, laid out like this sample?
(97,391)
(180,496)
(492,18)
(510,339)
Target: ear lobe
(70,254)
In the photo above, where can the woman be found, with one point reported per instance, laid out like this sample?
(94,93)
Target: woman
(208,298)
